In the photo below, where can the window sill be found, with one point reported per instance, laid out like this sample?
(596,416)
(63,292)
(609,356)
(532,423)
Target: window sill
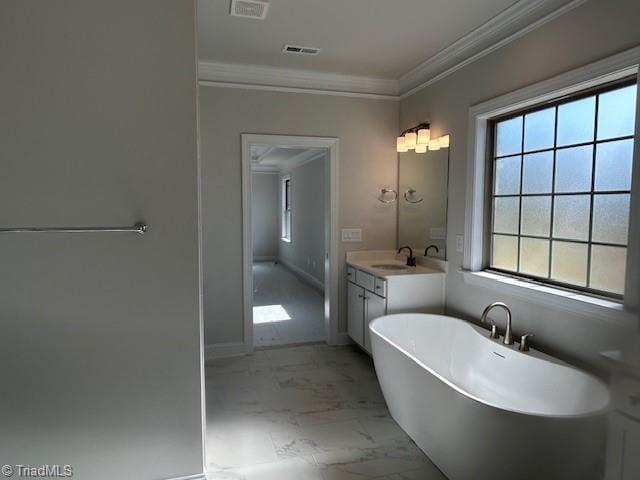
(572,302)
(285,240)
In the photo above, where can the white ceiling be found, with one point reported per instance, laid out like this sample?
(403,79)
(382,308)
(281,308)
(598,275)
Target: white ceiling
(281,159)
(377,38)
(381,48)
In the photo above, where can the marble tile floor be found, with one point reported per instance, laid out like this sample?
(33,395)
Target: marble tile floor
(286,309)
(309,412)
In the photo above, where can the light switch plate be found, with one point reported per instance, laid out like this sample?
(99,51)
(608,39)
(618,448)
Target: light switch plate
(351,234)
(459,243)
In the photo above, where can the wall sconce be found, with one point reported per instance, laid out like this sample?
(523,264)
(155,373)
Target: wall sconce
(418,138)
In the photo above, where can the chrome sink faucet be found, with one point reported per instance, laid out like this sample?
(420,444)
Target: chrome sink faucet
(508,334)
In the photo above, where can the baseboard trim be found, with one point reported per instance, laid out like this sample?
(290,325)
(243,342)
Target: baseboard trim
(196,476)
(265,258)
(222,350)
(307,277)
(343,338)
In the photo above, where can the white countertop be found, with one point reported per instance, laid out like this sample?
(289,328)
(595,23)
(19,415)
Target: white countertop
(365,261)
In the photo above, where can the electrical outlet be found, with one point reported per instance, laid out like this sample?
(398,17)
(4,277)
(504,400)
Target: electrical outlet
(351,234)
(459,243)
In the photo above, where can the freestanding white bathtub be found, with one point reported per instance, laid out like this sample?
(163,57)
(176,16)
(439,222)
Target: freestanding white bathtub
(485,411)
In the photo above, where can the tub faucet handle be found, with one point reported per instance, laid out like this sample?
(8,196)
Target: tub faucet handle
(524,342)
(494,331)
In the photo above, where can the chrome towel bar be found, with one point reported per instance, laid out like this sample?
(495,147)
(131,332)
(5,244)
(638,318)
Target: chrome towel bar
(137,228)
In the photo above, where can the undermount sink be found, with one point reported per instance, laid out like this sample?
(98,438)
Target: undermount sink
(389,266)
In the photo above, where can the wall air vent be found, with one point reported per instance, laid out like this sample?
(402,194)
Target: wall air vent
(298,50)
(250,8)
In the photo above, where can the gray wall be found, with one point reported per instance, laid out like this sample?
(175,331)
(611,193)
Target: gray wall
(100,333)
(597,29)
(307,248)
(264,208)
(366,129)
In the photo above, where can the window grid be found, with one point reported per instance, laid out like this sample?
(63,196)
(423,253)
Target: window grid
(551,238)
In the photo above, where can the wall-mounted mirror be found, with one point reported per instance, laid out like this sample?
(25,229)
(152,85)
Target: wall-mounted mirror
(422,201)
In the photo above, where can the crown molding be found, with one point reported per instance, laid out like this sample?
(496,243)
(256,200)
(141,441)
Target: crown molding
(263,76)
(302,159)
(517,20)
(306,91)
(291,164)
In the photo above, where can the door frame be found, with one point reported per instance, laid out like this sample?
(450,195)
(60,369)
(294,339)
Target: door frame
(331,280)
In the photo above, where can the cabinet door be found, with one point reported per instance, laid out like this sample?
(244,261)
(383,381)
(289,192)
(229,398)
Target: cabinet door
(355,313)
(631,446)
(623,443)
(375,307)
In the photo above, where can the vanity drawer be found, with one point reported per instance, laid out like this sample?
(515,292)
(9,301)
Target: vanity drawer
(626,395)
(381,286)
(351,274)
(365,280)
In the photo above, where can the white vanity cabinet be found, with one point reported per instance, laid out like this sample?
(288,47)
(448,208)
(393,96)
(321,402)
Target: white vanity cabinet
(363,306)
(623,443)
(355,312)
(374,307)
(372,294)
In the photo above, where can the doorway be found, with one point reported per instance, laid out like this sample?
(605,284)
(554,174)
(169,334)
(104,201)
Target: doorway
(290,259)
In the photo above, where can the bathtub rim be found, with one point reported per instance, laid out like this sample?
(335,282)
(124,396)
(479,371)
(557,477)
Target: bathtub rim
(540,355)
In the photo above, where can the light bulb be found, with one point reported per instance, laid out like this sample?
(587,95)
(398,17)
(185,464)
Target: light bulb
(434,144)
(421,148)
(444,141)
(400,145)
(410,140)
(424,136)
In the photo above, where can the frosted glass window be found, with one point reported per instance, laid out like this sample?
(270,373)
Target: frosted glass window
(505,252)
(534,257)
(539,129)
(608,268)
(561,191)
(506,215)
(613,165)
(536,216)
(509,137)
(569,263)
(573,169)
(611,218)
(537,174)
(571,217)
(576,121)
(617,113)
(507,176)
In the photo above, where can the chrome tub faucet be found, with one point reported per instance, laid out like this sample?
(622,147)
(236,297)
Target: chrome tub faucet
(508,333)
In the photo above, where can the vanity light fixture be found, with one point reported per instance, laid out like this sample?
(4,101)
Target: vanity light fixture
(418,138)
(415,137)
(440,142)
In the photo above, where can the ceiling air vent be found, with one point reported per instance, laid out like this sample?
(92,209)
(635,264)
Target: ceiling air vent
(298,50)
(250,8)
